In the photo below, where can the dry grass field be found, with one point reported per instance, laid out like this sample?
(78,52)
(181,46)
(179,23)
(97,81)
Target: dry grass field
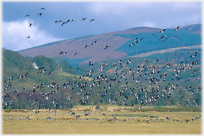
(125,122)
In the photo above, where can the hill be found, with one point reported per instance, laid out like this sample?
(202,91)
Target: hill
(167,79)
(119,44)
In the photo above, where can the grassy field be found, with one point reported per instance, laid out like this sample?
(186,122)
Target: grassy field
(125,122)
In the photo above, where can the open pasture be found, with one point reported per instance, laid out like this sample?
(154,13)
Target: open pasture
(107,121)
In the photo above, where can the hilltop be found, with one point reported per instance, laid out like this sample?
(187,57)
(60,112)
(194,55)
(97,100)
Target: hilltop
(119,44)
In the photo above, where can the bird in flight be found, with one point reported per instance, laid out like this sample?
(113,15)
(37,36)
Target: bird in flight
(28,37)
(39,14)
(76,53)
(106,47)
(176,28)
(27,15)
(42,8)
(162,31)
(63,23)
(62,52)
(30,24)
(82,19)
(92,20)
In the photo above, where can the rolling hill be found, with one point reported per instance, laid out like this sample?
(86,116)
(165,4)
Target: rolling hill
(119,44)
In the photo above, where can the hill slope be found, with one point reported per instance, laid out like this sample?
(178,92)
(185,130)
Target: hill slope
(119,44)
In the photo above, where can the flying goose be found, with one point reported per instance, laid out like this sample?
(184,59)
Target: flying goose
(106,47)
(163,36)
(92,20)
(162,31)
(27,15)
(73,20)
(28,37)
(82,19)
(176,28)
(86,46)
(164,40)
(42,8)
(39,14)
(58,21)
(30,24)
(76,53)
(62,52)
(63,23)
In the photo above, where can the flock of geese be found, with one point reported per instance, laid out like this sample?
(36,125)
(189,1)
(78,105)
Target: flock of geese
(59,21)
(133,79)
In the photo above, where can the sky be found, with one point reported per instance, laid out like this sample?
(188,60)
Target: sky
(110,16)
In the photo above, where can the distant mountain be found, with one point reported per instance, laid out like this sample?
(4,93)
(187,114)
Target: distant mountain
(119,44)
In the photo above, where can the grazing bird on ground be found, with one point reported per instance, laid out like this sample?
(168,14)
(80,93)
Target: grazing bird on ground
(82,19)
(106,47)
(176,28)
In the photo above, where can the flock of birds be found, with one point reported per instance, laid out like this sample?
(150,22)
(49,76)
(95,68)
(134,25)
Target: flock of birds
(133,79)
(59,21)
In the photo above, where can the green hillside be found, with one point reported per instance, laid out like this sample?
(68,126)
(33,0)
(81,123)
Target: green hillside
(175,79)
(152,42)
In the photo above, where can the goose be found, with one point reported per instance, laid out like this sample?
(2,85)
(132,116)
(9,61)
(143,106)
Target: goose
(90,63)
(58,21)
(76,53)
(51,72)
(10,78)
(62,53)
(28,37)
(131,44)
(140,40)
(42,8)
(63,23)
(39,14)
(154,33)
(162,31)
(30,24)
(27,15)
(176,28)
(73,20)
(163,36)
(92,20)
(82,19)
(106,47)
(94,42)
(164,40)
(26,68)
(86,46)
